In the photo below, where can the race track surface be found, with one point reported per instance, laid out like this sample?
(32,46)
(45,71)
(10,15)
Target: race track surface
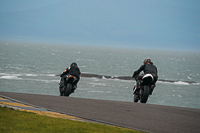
(144,117)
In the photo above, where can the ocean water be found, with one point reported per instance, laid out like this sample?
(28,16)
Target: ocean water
(32,68)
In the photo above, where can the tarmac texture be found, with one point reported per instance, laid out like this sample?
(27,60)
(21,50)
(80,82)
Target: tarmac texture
(138,116)
(40,111)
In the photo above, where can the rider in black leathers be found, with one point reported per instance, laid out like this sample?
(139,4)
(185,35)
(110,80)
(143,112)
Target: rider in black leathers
(149,68)
(72,70)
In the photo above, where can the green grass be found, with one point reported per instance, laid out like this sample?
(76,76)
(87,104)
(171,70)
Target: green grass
(15,121)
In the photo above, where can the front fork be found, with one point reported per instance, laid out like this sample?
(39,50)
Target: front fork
(138,91)
(136,86)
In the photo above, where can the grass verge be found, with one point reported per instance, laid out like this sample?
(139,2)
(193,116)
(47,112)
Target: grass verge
(15,121)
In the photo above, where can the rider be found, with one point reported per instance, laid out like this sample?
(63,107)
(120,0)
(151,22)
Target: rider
(72,70)
(149,68)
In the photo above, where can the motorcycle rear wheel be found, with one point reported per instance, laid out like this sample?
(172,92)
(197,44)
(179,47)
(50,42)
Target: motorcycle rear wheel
(68,90)
(145,95)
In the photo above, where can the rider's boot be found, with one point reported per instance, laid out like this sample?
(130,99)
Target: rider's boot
(74,88)
(61,88)
(61,93)
(151,89)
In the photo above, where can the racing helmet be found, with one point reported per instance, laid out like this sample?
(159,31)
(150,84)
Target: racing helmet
(73,64)
(147,61)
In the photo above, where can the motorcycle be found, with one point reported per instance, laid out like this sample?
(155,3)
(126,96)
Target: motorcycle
(67,85)
(143,87)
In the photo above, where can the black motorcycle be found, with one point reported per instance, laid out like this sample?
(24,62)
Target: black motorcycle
(143,87)
(67,85)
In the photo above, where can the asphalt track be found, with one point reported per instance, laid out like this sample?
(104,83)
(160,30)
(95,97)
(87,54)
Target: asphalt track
(144,117)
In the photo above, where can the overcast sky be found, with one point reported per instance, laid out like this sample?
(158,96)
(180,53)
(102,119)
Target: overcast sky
(150,24)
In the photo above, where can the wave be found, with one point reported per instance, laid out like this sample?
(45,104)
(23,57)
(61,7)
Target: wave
(100,91)
(24,74)
(28,77)
(97,84)
(9,77)
(88,75)
(179,82)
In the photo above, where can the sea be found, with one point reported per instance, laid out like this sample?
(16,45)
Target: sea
(34,68)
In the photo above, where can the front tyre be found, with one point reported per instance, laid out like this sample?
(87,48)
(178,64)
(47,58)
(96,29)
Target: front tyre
(145,95)
(135,99)
(68,90)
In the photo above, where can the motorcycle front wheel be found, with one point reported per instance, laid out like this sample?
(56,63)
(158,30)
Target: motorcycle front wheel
(135,99)
(145,94)
(68,90)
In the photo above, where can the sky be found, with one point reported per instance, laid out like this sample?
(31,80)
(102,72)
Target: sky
(149,24)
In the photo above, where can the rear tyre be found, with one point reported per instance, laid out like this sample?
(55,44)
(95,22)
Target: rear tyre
(145,95)
(68,90)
